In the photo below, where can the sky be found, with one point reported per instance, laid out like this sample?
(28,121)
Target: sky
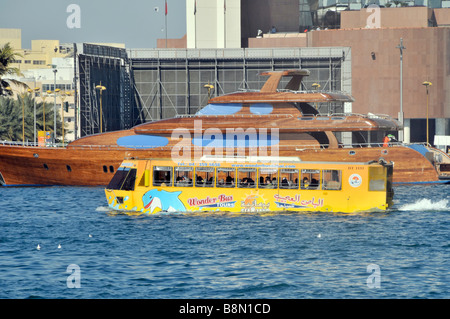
(133,22)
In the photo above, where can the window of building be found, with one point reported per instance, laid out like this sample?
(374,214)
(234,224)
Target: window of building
(246,177)
(183,176)
(310,179)
(27,61)
(225,177)
(331,179)
(204,176)
(62,87)
(289,178)
(162,176)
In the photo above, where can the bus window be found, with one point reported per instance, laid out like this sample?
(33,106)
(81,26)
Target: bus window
(183,176)
(266,176)
(289,178)
(162,176)
(124,179)
(204,176)
(377,178)
(225,177)
(246,177)
(310,179)
(331,179)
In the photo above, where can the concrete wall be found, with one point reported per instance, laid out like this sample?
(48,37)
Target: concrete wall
(376,77)
(406,17)
(213,26)
(11,36)
(279,40)
(172,43)
(376,58)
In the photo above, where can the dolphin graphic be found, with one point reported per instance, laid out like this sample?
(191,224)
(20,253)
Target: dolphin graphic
(166,201)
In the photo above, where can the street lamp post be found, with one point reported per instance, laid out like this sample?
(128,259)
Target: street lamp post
(62,115)
(34,105)
(54,107)
(209,87)
(316,86)
(427,84)
(400,114)
(43,106)
(101,89)
(63,95)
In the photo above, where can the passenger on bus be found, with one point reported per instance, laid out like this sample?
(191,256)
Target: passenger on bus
(305,183)
(284,183)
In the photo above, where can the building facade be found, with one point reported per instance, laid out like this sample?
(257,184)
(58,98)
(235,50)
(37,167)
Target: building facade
(374,35)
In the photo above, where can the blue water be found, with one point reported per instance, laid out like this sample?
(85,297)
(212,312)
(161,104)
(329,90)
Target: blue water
(289,256)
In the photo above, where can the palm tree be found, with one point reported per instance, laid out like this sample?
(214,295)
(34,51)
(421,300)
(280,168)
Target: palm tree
(7,56)
(11,118)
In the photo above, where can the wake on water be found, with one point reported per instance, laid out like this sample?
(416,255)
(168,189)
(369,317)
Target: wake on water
(425,204)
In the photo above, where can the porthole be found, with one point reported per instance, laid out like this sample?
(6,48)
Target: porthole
(105,169)
(69,169)
(111,169)
(46,166)
(351,152)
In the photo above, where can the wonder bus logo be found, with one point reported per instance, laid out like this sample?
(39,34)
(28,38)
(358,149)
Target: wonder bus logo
(229,144)
(219,201)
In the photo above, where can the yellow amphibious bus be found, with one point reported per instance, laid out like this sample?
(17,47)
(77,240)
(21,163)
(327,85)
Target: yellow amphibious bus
(151,186)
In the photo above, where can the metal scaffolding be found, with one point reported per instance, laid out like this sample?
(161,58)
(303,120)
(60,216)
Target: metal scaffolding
(152,84)
(109,67)
(172,82)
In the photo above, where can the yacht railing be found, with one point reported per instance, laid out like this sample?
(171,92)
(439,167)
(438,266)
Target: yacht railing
(241,90)
(299,147)
(233,115)
(305,117)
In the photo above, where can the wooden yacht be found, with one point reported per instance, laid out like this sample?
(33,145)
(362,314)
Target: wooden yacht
(268,122)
